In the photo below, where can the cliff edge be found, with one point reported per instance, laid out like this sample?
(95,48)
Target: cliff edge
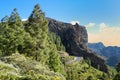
(75,40)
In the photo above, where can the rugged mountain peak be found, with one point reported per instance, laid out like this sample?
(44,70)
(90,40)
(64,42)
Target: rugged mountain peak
(75,40)
(111,53)
(96,47)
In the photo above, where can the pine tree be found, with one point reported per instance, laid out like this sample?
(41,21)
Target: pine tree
(38,30)
(16,25)
(45,50)
(15,19)
(5,19)
(4,28)
(28,45)
(55,45)
(54,60)
(12,33)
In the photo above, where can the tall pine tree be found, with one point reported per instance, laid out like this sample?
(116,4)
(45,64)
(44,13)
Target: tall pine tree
(37,27)
(45,50)
(12,33)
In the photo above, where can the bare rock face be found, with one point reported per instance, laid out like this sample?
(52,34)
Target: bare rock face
(75,40)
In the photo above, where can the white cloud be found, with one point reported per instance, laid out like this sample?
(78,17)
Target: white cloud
(90,25)
(102,26)
(108,29)
(109,35)
(24,19)
(74,22)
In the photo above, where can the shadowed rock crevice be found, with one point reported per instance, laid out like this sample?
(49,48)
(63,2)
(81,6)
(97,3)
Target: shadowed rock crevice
(75,40)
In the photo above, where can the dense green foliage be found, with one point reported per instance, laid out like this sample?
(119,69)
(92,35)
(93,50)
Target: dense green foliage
(28,51)
(57,41)
(117,77)
(11,34)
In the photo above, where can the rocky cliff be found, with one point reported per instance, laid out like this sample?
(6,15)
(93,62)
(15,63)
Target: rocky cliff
(75,40)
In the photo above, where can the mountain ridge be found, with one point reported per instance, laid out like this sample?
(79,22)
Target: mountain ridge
(111,53)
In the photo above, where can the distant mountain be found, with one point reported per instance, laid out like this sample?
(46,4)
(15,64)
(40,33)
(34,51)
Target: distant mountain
(112,53)
(96,47)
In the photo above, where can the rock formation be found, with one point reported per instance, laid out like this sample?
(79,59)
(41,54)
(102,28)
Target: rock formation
(75,40)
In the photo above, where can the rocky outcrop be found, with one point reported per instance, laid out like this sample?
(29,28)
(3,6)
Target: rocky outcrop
(75,40)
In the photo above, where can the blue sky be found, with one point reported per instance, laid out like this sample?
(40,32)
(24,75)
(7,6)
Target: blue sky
(96,15)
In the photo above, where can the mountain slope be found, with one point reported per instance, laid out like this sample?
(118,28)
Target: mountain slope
(111,53)
(75,39)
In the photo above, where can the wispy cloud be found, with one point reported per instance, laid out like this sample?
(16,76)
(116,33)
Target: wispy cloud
(74,22)
(102,26)
(109,29)
(109,35)
(90,25)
